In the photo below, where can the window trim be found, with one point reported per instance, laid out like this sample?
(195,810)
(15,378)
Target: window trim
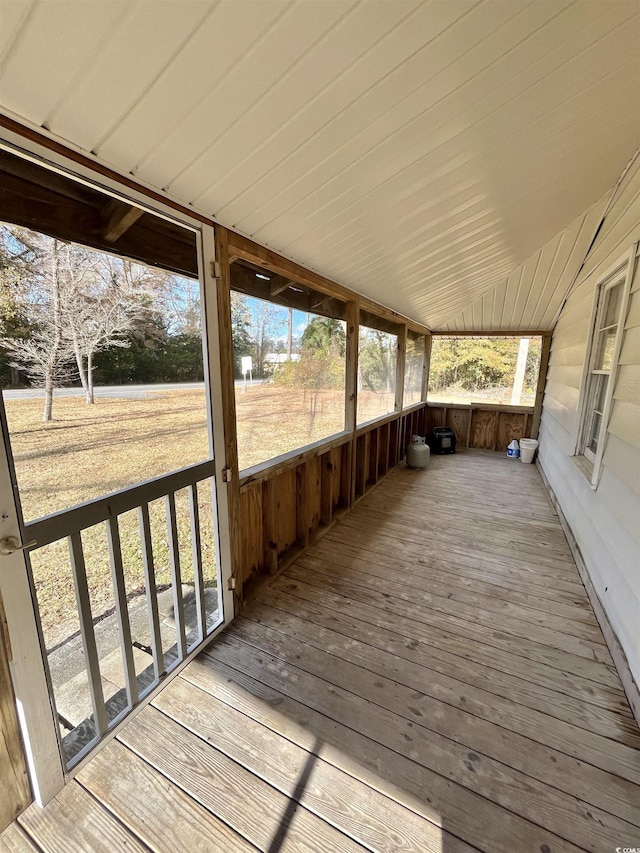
(621,272)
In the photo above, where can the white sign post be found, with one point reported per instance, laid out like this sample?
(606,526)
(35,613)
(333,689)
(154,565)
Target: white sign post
(247,367)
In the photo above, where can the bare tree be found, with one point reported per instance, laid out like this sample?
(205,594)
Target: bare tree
(78,301)
(103,298)
(179,299)
(45,355)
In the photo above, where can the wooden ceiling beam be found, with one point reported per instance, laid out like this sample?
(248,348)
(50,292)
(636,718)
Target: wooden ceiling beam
(119,217)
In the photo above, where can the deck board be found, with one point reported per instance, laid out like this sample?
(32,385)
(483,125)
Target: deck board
(429,676)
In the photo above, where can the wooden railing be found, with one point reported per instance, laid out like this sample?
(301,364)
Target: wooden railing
(286,503)
(70,525)
(487,427)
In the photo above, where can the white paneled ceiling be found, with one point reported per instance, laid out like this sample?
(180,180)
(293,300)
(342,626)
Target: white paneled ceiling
(531,296)
(418,152)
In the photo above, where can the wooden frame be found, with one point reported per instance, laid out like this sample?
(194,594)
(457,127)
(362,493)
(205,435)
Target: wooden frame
(401,367)
(221,387)
(621,272)
(542,380)
(28,671)
(28,668)
(511,333)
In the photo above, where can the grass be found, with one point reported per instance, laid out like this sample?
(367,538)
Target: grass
(89,451)
(498,395)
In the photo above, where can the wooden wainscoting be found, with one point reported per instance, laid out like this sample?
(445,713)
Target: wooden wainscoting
(287,503)
(482,427)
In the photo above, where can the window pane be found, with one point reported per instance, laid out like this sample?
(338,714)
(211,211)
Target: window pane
(290,365)
(600,391)
(594,432)
(613,305)
(120,343)
(413,369)
(377,361)
(605,346)
(484,370)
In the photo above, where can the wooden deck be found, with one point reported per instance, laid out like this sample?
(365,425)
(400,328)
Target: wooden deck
(428,677)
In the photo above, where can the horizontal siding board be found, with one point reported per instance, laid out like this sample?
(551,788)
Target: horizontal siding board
(633,314)
(621,501)
(620,236)
(570,375)
(564,394)
(609,552)
(565,417)
(622,460)
(573,327)
(625,422)
(627,388)
(630,352)
(569,355)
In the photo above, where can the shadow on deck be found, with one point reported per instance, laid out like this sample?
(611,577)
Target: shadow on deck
(428,677)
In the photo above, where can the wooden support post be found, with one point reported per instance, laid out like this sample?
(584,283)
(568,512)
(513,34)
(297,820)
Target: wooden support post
(366,459)
(225,338)
(346,474)
(542,378)
(303,500)
(400,366)
(373,455)
(326,488)
(351,386)
(269,526)
(360,468)
(428,343)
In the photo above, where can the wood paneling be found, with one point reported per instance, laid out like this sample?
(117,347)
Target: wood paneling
(510,426)
(251,522)
(458,421)
(487,427)
(285,492)
(484,430)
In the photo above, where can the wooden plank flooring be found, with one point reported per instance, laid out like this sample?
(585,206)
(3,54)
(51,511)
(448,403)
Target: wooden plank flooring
(428,677)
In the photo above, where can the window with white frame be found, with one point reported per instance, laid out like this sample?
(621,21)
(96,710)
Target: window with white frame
(612,296)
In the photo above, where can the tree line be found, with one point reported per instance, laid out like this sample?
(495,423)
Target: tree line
(480,364)
(70,315)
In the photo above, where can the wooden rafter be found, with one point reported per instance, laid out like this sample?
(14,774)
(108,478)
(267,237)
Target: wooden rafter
(119,217)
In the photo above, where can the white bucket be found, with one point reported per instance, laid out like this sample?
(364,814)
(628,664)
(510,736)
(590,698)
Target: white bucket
(528,447)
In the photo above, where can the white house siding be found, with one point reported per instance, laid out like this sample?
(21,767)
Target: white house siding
(605,522)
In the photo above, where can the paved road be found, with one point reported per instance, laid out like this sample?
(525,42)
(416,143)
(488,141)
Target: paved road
(123,392)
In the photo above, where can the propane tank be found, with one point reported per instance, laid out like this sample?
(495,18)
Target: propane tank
(418,452)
